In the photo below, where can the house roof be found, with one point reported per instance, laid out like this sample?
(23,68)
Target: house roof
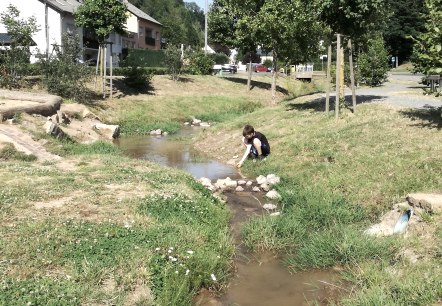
(68,6)
(6,39)
(139,13)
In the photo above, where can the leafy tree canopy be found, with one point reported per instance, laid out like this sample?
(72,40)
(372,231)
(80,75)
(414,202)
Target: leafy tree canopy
(427,53)
(102,16)
(407,19)
(352,17)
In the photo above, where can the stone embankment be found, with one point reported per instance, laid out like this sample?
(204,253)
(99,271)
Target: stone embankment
(259,185)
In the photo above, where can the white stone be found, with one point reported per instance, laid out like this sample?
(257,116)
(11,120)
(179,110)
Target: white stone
(186,123)
(249,183)
(107,130)
(261,180)
(239,188)
(241,182)
(205,181)
(204,124)
(265,187)
(276,213)
(230,183)
(273,179)
(256,189)
(269,206)
(273,194)
(155,132)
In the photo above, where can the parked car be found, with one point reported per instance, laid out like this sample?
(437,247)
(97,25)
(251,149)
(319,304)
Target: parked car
(229,68)
(260,68)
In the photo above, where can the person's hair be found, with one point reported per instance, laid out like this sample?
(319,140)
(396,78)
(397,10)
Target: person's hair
(248,129)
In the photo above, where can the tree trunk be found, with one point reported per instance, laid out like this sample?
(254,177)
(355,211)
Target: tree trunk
(352,75)
(327,97)
(338,67)
(249,77)
(274,63)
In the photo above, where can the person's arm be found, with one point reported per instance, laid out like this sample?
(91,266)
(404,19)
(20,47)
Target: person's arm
(246,153)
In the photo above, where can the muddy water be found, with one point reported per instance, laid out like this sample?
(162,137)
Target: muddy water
(258,279)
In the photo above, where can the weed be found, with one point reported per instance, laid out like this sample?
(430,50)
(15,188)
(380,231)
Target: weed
(9,152)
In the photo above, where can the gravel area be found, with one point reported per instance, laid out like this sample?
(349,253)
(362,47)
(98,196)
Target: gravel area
(402,90)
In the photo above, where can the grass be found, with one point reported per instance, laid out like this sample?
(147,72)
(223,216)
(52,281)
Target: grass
(114,230)
(339,176)
(116,225)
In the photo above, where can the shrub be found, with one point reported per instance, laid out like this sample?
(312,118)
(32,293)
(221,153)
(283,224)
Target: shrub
(64,75)
(14,62)
(144,58)
(373,63)
(268,63)
(137,78)
(220,58)
(173,61)
(200,63)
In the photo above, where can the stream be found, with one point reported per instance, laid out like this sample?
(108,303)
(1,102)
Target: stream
(259,279)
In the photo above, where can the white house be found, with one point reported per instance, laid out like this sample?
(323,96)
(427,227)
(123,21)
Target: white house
(55,17)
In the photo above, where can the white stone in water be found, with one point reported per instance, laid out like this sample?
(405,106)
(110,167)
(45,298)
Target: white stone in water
(239,188)
(241,182)
(249,183)
(204,124)
(230,183)
(261,179)
(273,194)
(269,206)
(186,123)
(276,213)
(196,121)
(265,187)
(205,181)
(155,132)
(165,133)
(256,189)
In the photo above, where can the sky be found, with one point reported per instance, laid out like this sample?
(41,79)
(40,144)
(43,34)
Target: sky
(200,3)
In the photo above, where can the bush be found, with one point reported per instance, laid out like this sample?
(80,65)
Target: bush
(200,63)
(220,58)
(373,63)
(14,61)
(137,78)
(173,61)
(64,75)
(122,71)
(145,58)
(268,63)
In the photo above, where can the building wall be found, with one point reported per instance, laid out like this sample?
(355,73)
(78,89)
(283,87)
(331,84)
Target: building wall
(29,8)
(149,35)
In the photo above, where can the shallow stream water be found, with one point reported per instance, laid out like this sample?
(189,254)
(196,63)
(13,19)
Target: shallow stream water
(259,279)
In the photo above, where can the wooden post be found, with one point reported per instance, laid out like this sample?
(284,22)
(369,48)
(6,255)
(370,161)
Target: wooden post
(249,78)
(104,72)
(338,67)
(111,66)
(327,96)
(96,67)
(352,75)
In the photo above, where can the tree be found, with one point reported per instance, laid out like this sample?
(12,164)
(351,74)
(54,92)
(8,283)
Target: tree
(282,26)
(102,16)
(173,61)
(373,64)
(427,52)
(14,61)
(406,20)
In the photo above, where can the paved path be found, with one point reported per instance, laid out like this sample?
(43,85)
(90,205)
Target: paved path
(25,143)
(401,90)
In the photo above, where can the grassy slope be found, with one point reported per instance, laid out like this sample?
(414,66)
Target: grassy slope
(333,173)
(337,177)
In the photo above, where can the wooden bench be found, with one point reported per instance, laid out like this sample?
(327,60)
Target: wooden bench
(434,81)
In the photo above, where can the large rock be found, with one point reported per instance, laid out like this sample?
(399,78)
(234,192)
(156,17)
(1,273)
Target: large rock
(108,131)
(272,179)
(429,201)
(53,129)
(273,194)
(261,180)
